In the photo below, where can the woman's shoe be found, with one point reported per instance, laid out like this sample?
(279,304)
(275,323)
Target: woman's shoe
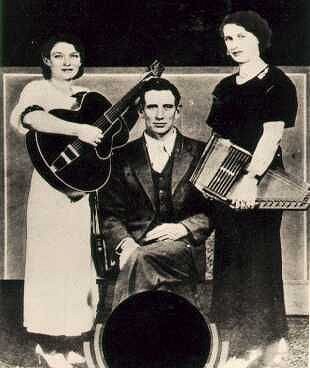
(38,351)
(276,355)
(53,360)
(75,358)
(250,360)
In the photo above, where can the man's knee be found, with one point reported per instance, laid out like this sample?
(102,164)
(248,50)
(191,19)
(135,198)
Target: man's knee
(146,256)
(139,255)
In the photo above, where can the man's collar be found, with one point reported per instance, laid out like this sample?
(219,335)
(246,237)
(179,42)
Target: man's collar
(168,141)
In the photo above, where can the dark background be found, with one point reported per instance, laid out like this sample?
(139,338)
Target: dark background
(134,32)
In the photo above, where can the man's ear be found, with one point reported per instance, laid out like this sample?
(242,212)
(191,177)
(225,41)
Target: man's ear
(140,112)
(178,111)
(140,108)
(46,61)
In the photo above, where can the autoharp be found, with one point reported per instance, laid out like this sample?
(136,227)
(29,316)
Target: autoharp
(223,164)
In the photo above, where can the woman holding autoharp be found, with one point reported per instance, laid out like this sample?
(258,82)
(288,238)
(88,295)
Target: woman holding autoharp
(251,108)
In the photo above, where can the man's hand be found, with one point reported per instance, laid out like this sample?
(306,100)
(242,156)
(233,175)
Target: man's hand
(167,231)
(127,248)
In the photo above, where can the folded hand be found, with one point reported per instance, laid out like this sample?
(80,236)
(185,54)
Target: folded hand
(128,247)
(167,231)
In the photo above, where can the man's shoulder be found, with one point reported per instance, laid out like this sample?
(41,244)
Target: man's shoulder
(192,140)
(130,148)
(132,145)
(192,144)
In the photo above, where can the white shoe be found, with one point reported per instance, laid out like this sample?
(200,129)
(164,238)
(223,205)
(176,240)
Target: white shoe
(53,360)
(75,358)
(252,356)
(277,354)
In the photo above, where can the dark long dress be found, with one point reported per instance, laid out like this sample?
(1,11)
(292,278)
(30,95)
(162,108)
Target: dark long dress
(248,303)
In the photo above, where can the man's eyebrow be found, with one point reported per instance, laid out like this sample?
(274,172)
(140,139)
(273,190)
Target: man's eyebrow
(151,105)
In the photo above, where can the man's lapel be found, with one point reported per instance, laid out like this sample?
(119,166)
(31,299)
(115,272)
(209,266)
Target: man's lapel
(182,161)
(142,168)
(140,164)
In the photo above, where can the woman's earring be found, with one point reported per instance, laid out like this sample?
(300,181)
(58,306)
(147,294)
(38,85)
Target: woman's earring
(227,52)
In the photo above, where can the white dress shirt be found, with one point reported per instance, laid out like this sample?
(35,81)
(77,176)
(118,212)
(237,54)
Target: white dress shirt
(160,150)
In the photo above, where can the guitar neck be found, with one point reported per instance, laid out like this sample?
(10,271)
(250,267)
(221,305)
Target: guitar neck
(115,111)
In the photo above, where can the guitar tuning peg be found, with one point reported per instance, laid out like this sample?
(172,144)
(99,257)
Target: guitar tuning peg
(152,66)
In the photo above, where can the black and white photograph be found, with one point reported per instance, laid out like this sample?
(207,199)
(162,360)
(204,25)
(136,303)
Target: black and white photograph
(155,185)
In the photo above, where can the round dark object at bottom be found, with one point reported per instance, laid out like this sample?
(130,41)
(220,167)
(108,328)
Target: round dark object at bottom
(156,329)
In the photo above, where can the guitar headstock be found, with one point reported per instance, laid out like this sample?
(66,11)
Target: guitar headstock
(155,69)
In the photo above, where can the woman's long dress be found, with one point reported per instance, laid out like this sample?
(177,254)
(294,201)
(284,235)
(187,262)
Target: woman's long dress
(248,302)
(60,293)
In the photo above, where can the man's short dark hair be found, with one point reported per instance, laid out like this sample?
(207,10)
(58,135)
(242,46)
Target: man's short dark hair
(251,22)
(158,84)
(51,42)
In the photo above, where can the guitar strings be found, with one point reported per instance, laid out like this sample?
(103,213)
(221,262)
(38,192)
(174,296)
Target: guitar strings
(156,70)
(112,114)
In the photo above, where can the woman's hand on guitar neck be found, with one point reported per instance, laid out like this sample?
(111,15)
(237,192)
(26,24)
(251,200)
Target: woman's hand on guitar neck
(89,134)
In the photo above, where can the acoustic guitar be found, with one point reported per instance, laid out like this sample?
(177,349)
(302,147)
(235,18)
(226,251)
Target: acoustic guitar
(72,166)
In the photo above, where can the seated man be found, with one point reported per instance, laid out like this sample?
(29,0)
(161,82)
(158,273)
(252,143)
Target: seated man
(153,218)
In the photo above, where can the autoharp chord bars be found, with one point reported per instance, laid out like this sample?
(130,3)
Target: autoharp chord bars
(221,167)
(229,169)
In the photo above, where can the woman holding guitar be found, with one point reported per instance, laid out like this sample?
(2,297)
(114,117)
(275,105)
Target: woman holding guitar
(251,108)
(60,293)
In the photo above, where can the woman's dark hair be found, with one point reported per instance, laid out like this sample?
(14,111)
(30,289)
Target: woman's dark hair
(158,84)
(50,43)
(251,22)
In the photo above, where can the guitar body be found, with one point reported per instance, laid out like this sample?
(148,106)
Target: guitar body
(88,170)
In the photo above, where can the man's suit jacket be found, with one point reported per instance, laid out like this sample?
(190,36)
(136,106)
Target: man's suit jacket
(127,202)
